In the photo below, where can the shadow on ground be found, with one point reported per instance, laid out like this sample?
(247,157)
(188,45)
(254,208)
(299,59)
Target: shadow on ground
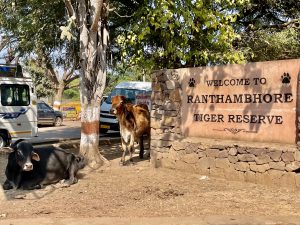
(112,152)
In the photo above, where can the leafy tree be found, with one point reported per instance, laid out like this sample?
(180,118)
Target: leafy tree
(32,29)
(269,29)
(43,85)
(40,31)
(174,34)
(73,91)
(272,44)
(178,33)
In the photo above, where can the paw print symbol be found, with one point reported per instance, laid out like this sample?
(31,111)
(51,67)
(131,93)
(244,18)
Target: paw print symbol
(192,82)
(286,78)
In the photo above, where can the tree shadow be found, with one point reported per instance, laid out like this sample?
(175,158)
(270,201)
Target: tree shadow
(262,81)
(13,194)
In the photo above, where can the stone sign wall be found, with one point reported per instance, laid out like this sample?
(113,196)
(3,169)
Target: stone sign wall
(254,102)
(222,121)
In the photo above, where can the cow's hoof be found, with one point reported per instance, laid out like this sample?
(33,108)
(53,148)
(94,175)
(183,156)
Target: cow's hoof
(121,163)
(38,186)
(7,186)
(131,162)
(65,184)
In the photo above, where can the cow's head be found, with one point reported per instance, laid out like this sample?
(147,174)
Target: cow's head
(116,103)
(24,153)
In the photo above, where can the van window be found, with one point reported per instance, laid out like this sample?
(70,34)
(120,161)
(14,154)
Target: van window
(130,94)
(15,95)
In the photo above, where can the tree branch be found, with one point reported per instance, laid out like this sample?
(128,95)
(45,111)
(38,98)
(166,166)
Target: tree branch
(46,63)
(125,16)
(72,78)
(70,8)
(283,25)
(274,26)
(97,16)
(3,43)
(70,87)
(69,73)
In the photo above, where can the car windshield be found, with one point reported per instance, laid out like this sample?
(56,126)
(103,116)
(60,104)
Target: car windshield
(130,94)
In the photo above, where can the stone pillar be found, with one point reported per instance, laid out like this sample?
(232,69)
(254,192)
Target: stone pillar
(165,113)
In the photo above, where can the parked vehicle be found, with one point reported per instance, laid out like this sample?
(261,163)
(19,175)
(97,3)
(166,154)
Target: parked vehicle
(131,90)
(48,116)
(18,111)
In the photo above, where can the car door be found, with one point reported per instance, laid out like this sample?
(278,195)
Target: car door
(45,114)
(40,113)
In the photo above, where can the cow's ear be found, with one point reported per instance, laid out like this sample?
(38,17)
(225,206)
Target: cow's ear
(35,156)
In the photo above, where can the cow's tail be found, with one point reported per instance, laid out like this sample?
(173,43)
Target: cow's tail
(80,162)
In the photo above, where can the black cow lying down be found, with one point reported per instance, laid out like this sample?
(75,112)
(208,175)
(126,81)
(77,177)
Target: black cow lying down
(29,168)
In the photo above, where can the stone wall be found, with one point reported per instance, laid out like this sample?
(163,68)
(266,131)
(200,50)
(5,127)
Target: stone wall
(264,163)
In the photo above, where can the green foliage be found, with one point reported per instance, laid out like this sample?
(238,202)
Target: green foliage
(273,45)
(73,92)
(174,34)
(66,30)
(33,30)
(33,24)
(43,85)
(270,30)
(181,33)
(157,34)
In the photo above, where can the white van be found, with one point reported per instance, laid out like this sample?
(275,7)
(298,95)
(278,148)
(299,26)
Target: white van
(18,110)
(134,91)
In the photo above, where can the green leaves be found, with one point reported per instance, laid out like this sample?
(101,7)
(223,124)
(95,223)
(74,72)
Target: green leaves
(66,31)
(43,85)
(33,23)
(271,45)
(184,33)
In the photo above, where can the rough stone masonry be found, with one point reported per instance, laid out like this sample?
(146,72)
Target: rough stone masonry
(251,161)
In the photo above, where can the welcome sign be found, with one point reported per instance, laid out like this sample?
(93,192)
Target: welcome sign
(255,102)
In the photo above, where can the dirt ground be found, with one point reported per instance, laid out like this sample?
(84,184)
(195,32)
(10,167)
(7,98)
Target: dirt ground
(142,191)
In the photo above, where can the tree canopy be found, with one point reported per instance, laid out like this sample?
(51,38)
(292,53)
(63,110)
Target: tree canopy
(270,29)
(174,34)
(156,34)
(32,29)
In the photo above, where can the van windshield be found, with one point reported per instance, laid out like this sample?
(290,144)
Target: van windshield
(130,94)
(14,95)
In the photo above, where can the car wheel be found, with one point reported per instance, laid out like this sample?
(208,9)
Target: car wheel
(3,140)
(58,121)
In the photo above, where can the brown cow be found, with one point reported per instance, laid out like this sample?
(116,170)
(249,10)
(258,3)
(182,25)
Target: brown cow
(134,122)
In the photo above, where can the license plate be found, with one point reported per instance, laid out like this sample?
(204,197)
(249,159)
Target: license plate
(104,126)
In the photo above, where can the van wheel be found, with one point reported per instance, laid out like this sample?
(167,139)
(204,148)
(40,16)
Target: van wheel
(3,140)
(58,121)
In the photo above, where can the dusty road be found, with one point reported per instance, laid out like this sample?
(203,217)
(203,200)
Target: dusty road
(147,194)
(68,130)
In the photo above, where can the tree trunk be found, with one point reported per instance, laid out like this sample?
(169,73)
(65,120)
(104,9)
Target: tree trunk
(58,96)
(93,44)
(89,142)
